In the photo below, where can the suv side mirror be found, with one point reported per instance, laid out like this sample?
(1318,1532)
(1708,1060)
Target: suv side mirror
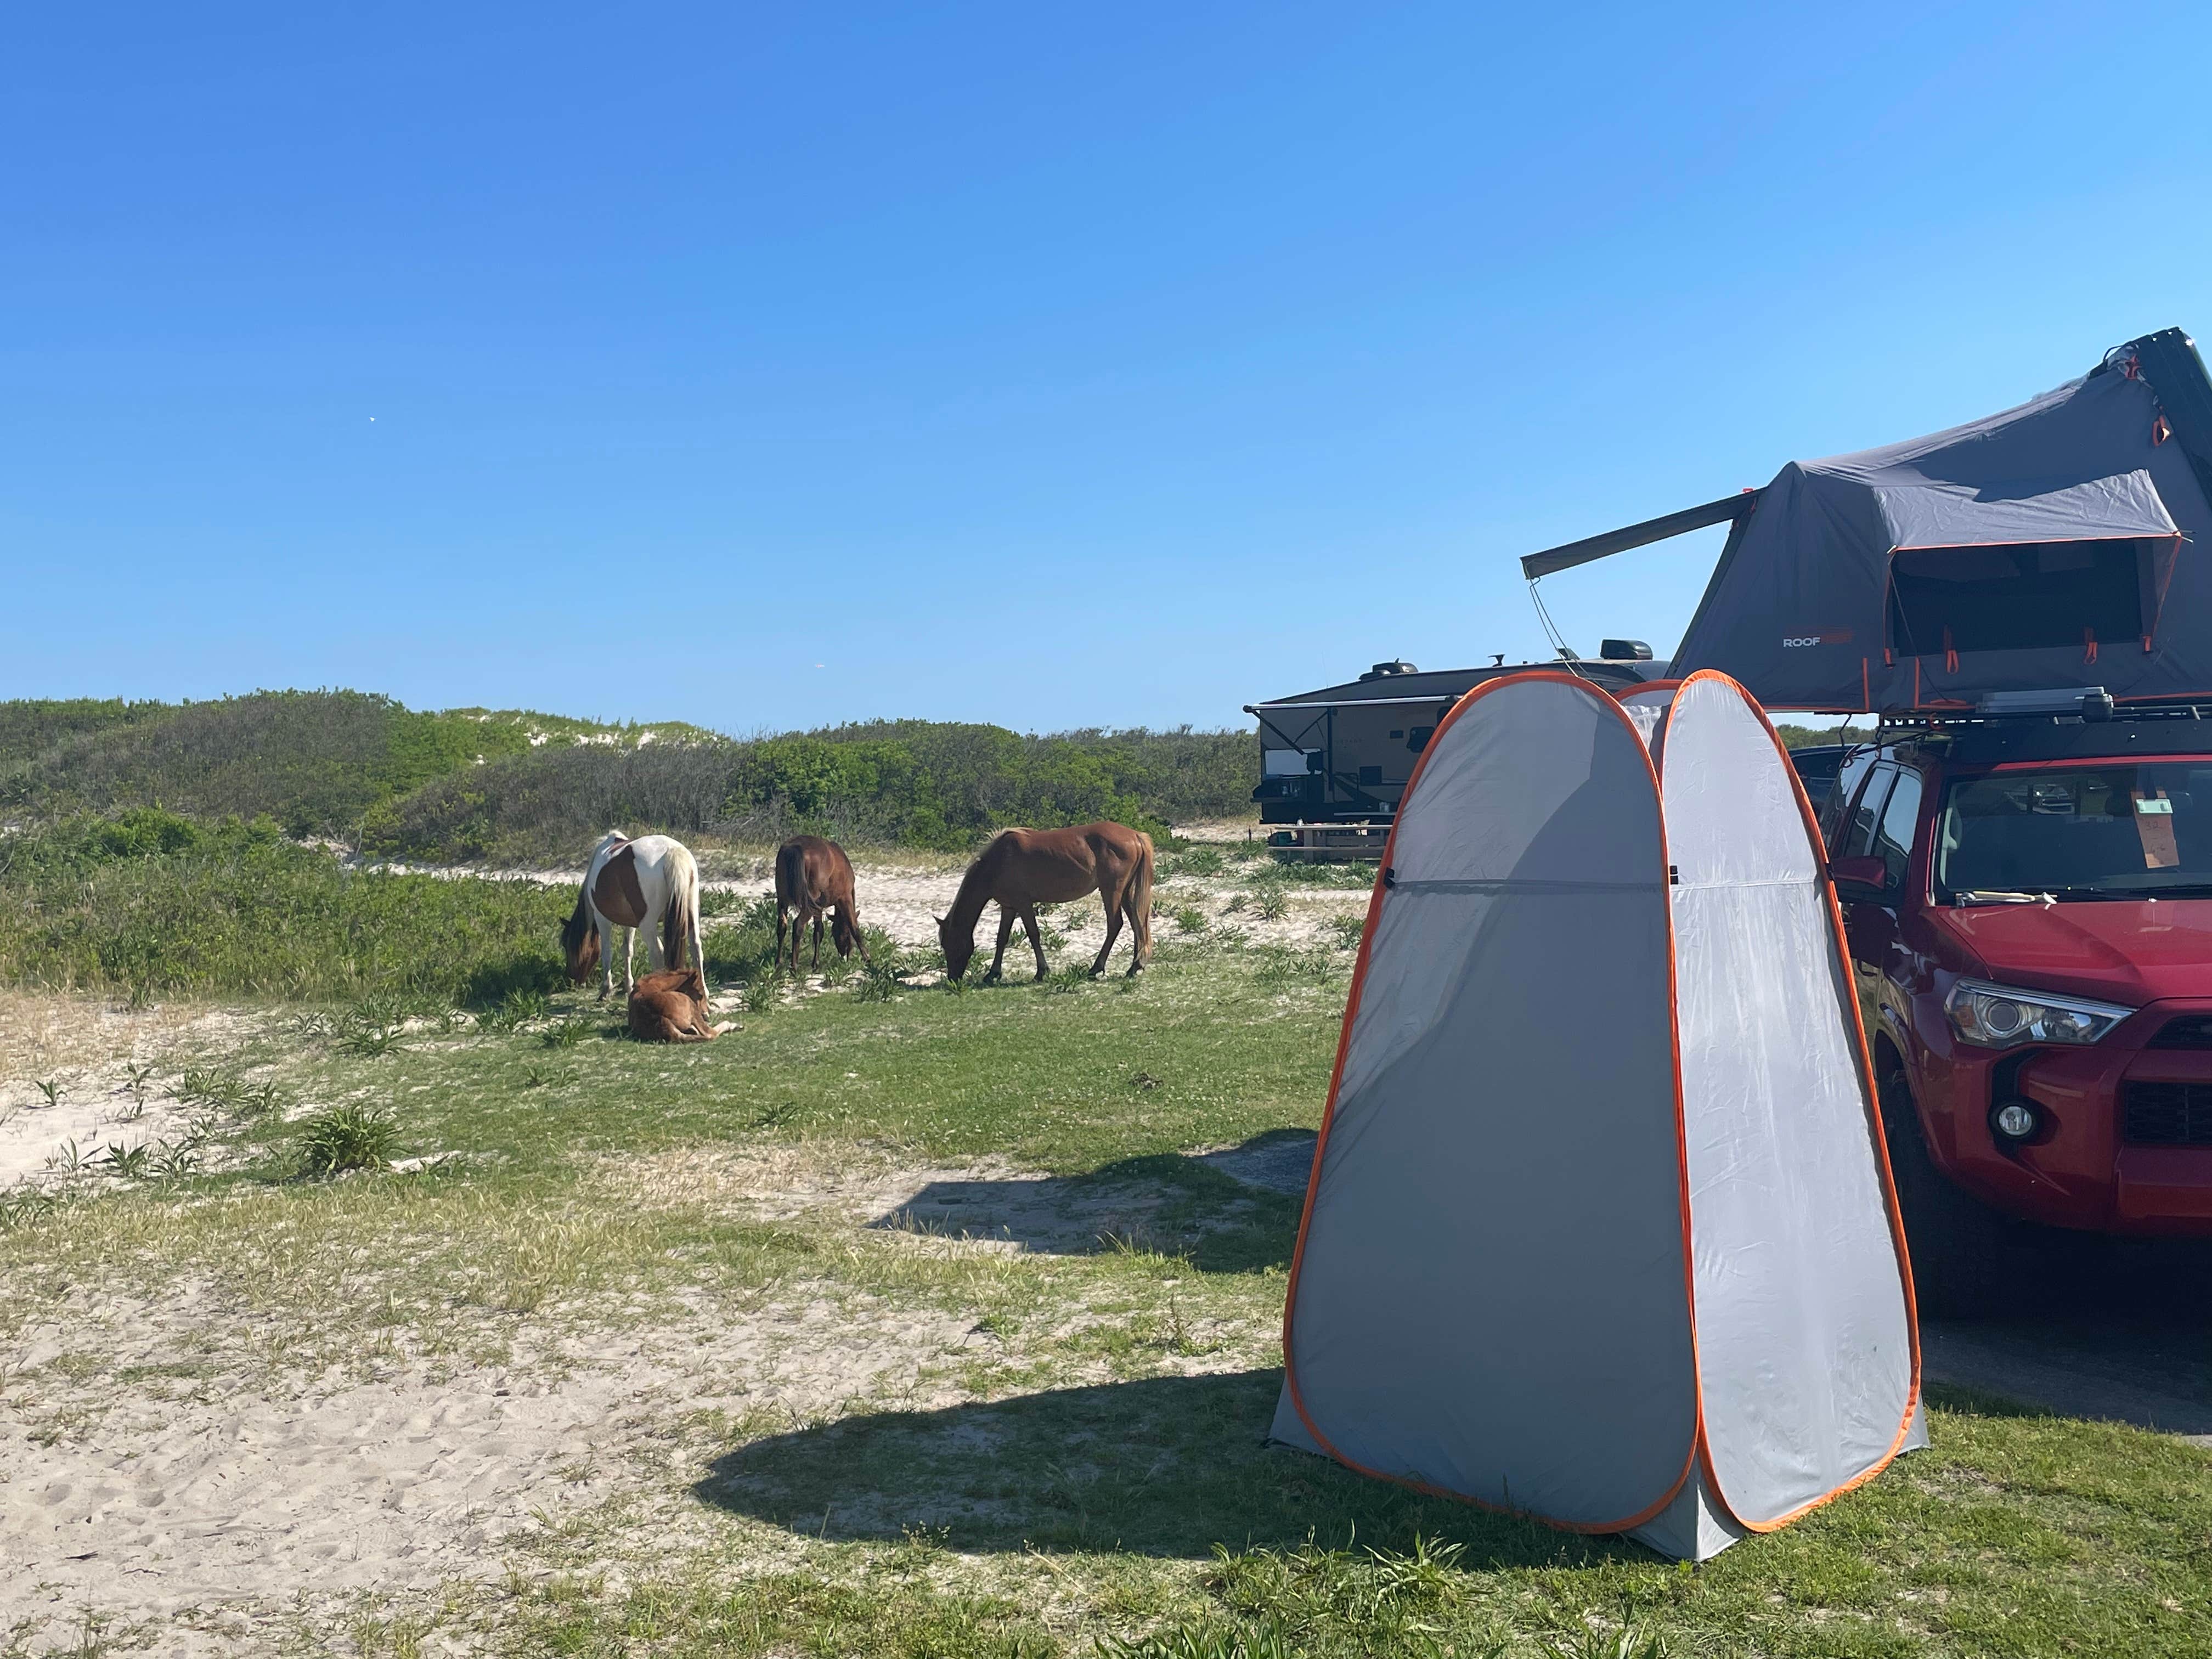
(1859,880)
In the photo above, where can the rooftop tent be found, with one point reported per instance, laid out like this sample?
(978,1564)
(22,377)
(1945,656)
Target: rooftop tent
(2059,544)
(2044,546)
(1619,1255)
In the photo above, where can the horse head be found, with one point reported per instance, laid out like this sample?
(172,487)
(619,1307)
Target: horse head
(579,943)
(959,948)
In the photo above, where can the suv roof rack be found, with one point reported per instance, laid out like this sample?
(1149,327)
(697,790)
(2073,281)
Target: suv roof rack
(2006,732)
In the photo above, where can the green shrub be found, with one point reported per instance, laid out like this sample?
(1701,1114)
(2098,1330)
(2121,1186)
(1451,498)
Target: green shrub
(915,783)
(465,784)
(241,910)
(349,1137)
(317,763)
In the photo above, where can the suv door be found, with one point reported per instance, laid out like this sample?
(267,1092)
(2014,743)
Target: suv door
(1851,834)
(1883,825)
(1835,810)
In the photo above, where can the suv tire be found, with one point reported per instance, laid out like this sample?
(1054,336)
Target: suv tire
(1966,1258)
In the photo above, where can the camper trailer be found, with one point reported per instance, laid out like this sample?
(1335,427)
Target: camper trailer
(1334,762)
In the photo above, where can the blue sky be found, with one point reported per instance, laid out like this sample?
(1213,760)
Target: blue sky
(1043,365)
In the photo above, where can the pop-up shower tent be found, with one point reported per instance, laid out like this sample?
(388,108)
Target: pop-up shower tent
(1600,1227)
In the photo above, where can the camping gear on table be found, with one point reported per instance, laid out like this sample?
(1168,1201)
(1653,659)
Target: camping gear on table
(1600,1227)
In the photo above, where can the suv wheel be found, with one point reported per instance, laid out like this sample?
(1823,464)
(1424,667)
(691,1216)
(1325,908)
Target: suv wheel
(1966,1258)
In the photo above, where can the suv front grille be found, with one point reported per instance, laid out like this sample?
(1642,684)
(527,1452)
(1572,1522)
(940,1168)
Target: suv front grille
(2183,1031)
(2169,1114)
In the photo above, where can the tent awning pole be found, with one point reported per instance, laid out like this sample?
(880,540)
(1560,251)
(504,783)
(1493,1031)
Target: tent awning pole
(1570,554)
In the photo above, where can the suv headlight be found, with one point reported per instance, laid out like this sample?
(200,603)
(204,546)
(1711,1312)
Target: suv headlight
(2003,1017)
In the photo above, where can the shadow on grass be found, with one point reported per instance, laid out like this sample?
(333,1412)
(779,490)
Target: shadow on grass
(1166,1467)
(1167,1202)
(491,983)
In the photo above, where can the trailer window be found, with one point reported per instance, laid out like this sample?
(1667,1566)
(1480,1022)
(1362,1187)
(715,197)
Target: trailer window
(2019,596)
(1282,762)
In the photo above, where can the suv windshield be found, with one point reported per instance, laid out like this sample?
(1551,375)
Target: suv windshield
(2078,832)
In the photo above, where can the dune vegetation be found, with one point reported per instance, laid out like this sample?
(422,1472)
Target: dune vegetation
(465,785)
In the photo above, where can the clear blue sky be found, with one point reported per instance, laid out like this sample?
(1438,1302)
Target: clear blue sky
(1048,365)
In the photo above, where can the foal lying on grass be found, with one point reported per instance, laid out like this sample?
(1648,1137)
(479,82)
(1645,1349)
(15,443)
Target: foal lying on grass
(671,1007)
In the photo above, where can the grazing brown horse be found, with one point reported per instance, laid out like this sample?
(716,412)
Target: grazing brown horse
(813,877)
(671,1007)
(1022,869)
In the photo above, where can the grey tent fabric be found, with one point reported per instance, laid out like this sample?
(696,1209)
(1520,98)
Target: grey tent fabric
(1600,1228)
(1805,1337)
(1456,1323)
(2032,539)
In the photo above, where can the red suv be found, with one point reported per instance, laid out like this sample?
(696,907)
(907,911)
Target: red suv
(2029,902)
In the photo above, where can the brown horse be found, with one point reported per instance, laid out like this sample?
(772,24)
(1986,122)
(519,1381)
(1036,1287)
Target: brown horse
(671,1007)
(813,877)
(1022,869)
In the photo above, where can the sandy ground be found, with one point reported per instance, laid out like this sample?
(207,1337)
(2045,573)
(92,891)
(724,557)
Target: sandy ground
(84,1046)
(905,899)
(222,1489)
(189,1500)
(905,902)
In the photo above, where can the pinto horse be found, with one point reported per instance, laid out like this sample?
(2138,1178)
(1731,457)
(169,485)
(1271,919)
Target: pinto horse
(652,884)
(1022,869)
(813,877)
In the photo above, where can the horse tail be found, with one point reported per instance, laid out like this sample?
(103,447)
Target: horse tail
(1141,893)
(679,920)
(790,875)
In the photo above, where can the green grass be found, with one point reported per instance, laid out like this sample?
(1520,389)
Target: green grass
(1065,1449)
(138,907)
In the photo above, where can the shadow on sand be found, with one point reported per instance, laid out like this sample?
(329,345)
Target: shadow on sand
(1165,1466)
(1231,1211)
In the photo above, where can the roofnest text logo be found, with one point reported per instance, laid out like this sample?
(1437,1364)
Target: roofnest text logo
(1804,637)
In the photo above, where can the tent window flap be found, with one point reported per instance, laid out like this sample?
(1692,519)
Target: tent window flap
(2023,596)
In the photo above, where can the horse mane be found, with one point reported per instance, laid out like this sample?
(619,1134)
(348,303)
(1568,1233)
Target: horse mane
(975,886)
(579,920)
